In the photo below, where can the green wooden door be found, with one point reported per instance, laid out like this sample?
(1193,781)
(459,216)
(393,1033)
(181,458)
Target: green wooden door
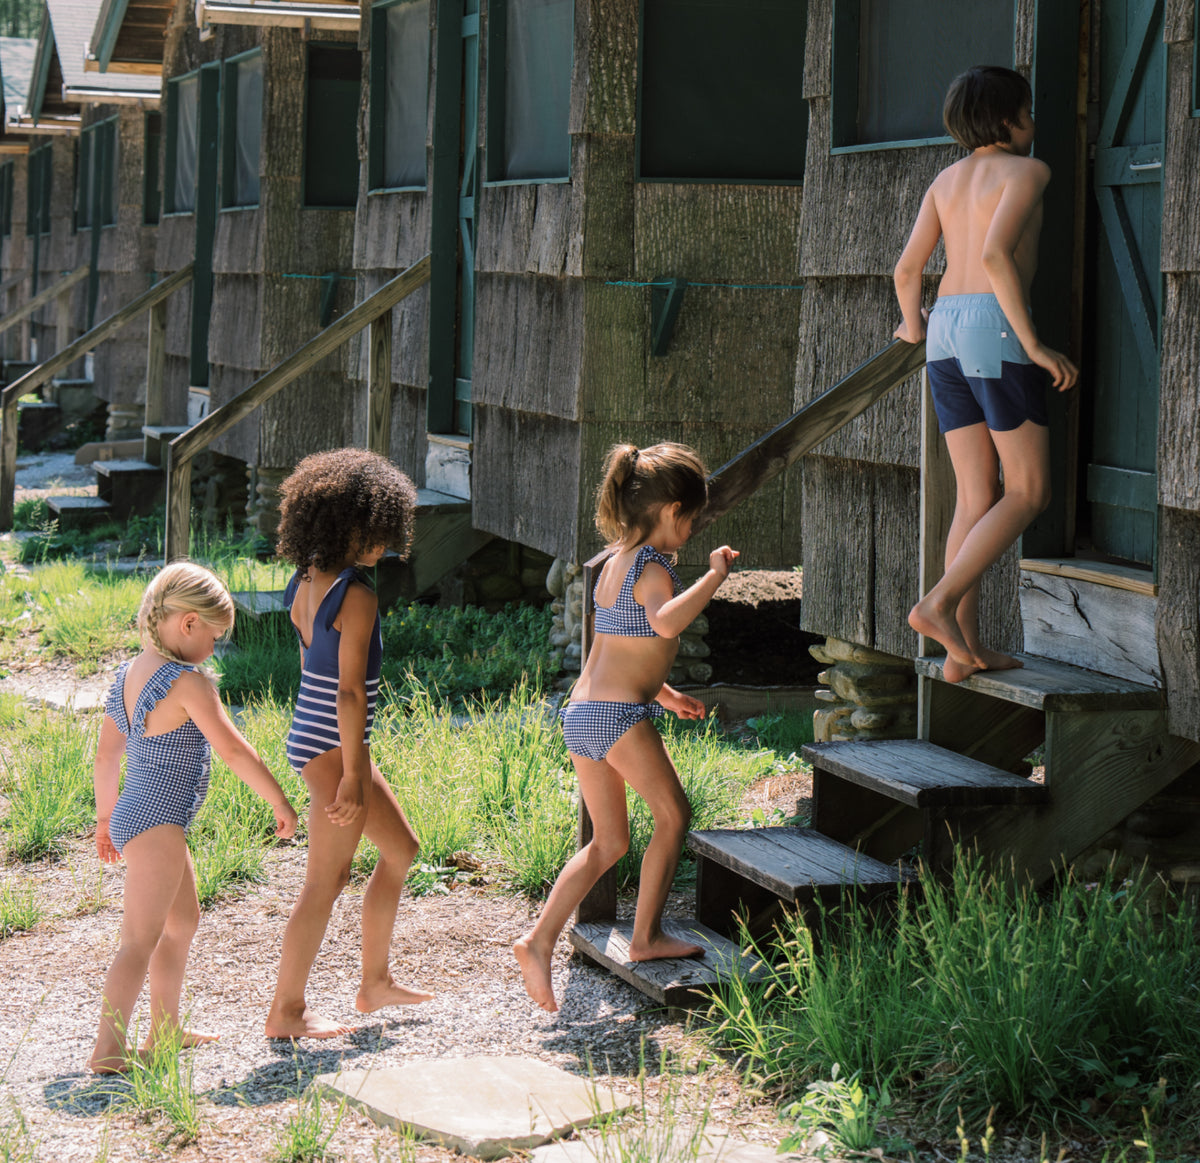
(1121,479)
(455,185)
(208,129)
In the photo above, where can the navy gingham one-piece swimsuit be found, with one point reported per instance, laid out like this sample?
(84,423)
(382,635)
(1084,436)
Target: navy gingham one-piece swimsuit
(314,722)
(166,776)
(591,728)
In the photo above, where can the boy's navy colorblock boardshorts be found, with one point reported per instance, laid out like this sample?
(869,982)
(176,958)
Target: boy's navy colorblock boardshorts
(978,371)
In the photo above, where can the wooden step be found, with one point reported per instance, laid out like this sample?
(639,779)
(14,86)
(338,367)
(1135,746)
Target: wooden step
(921,774)
(37,422)
(78,512)
(1053,686)
(163,431)
(678,982)
(432,501)
(132,487)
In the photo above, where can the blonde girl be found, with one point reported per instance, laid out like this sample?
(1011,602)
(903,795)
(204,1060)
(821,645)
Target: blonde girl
(645,509)
(162,714)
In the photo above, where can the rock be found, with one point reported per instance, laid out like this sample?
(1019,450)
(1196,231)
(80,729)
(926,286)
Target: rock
(701,672)
(560,638)
(693,648)
(840,651)
(484,1107)
(699,625)
(865,720)
(822,655)
(826,697)
(1186,873)
(556,581)
(859,689)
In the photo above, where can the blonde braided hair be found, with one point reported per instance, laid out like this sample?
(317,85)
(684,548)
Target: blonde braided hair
(183,587)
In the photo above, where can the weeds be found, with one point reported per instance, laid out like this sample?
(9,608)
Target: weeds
(845,1111)
(1075,1004)
(17,1144)
(20,909)
(49,785)
(161,1086)
(308,1133)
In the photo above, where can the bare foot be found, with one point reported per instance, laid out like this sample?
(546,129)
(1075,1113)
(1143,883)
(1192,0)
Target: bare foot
(954,672)
(388,993)
(927,619)
(187,1039)
(994,660)
(535,969)
(110,1064)
(307,1025)
(664,945)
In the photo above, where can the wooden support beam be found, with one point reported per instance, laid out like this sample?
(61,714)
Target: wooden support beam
(35,377)
(156,362)
(304,358)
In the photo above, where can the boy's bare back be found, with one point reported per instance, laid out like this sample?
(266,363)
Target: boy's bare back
(968,197)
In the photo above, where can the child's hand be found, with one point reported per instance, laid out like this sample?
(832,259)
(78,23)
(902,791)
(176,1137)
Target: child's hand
(348,804)
(917,334)
(720,561)
(105,848)
(1063,373)
(285,820)
(683,705)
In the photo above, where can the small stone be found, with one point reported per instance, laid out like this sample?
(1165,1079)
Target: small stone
(1186,873)
(693,648)
(822,655)
(860,688)
(559,638)
(904,698)
(823,677)
(865,720)
(826,697)
(573,653)
(572,571)
(699,625)
(701,672)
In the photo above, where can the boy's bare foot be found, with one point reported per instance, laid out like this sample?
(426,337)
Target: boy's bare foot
(535,969)
(664,945)
(994,660)
(307,1025)
(927,619)
(387,993)
(953,671)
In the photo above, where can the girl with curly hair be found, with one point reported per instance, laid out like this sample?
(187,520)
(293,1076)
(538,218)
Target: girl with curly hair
(340,511)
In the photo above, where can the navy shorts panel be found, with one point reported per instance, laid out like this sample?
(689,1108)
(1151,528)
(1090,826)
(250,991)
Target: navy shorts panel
(1002,403)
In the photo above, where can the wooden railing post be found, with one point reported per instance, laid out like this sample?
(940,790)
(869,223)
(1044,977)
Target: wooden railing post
(156,360)
(62,328)
(379,385)
(179,504)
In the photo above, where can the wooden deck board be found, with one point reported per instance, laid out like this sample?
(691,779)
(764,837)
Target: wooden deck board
(677,981)
(921,774)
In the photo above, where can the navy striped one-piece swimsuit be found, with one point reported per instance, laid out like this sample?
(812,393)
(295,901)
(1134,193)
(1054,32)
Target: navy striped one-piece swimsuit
(314,722)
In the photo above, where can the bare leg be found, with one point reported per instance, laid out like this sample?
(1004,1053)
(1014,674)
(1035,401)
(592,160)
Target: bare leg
(168,961)
(389,831)
(330,851)
(1024,454)
(155,862)
(603,792)
(641,759)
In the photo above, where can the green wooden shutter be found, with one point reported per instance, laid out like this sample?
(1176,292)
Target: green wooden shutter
(1122,487)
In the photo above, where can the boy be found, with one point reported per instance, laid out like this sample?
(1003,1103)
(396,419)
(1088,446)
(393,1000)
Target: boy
(983,357)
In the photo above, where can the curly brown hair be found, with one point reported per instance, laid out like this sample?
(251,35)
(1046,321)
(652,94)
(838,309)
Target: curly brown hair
(338,503)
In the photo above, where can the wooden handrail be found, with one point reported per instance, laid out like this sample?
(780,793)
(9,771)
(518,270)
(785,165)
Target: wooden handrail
(43,297)
(819,419)
(733,483)
(35,377)
(187,444)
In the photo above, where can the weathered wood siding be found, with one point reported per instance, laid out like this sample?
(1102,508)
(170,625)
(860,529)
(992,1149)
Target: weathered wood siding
(559,342)
(861,490)
(267,265)
(1178,614)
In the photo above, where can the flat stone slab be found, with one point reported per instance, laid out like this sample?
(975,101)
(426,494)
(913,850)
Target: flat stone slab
(681,1144)
(485,1107)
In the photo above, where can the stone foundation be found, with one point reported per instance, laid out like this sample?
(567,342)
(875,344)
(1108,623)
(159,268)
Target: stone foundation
(219,491)
(565,584)
(124,422)
(871,695)
(262,506)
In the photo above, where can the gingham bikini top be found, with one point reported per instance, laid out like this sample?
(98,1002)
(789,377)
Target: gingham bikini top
(184,749)
(626,617)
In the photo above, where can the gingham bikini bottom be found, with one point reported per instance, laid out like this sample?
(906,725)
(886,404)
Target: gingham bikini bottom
(591,728)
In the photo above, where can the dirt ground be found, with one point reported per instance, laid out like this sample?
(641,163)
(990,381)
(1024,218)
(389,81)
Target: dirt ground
(754,631)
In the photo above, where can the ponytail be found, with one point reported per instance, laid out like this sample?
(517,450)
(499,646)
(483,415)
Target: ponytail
(638,483)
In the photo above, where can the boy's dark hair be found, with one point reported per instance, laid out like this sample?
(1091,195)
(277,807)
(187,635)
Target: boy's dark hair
(639,482)
(343,501)
(980,101)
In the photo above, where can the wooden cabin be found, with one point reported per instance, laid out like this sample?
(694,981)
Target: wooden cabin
(85,205)
(16,67)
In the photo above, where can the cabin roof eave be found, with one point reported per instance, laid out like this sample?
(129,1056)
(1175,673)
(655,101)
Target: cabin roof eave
(326,15)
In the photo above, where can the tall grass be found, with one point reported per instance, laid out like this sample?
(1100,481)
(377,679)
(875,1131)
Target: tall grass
(48,782)
(985,994)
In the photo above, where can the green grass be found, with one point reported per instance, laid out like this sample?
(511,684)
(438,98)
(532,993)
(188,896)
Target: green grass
(19,909)
(1077,1004)
(306,1136)
(162,1090)
(48,782)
